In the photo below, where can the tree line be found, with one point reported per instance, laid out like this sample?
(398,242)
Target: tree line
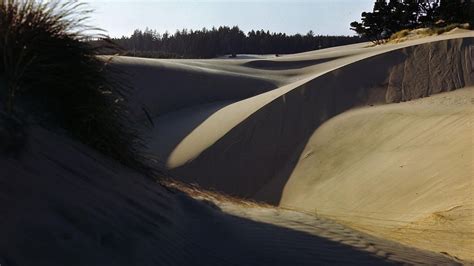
(210,43)
(391,16)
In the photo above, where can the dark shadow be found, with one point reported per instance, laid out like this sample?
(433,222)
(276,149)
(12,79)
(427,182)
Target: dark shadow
(173,127)
(283,65)
(64,204)
(163,87)
(233,240)
(82,213)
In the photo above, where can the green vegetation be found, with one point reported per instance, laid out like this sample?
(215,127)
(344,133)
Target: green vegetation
(209,43)
(393,16)
(52,73)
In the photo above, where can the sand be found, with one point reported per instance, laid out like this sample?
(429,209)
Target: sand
(310,94)
(63,204)
(259,146)
(404,171)
(363,155)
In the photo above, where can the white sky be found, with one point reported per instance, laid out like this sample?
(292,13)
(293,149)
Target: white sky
(332,17)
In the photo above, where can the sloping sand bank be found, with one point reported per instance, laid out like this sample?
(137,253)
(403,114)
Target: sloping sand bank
(241,146)
(63,204)
(403,171)
(260,147)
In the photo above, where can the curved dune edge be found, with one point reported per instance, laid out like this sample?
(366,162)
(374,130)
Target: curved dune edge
(257,141)
(258,147)
(403,172)
(63,204)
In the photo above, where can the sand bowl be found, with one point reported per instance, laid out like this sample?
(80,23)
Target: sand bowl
(362,155)
(380,160)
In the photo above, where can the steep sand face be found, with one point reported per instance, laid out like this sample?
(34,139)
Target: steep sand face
(262,147)
(250,147)
(63,204)
(403,171)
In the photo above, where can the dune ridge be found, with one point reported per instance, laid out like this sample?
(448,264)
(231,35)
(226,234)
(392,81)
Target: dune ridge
(286,131)
(260,147)
(64,204)
(252,140)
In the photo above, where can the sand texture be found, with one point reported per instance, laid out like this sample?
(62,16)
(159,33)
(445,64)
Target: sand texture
(356,154)
(63,204)
(352,132)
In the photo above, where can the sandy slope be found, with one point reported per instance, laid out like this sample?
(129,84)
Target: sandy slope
(404,171)
(259,146)
(224,135)
(297,130)
(62,204)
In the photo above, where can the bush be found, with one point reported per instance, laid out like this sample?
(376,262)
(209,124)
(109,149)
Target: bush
(51,71)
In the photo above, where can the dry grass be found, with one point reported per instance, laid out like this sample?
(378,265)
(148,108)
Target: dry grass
(405,35)
(52,73)
(399,35)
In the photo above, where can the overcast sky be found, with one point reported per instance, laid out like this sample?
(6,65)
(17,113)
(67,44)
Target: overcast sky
(121,17)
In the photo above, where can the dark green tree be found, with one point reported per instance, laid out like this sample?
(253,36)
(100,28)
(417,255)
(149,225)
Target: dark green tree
(209,43)
(455,11)
(388,18)
(375,25)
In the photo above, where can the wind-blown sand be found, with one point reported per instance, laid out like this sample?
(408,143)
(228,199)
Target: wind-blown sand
(404,171)
(403,164)
(63,204)
(362,167)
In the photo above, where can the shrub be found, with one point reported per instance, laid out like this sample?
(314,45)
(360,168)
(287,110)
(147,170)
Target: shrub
(53,72)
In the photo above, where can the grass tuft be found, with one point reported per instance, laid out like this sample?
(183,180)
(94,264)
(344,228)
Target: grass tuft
(399,35)
(51,71)
(404,35)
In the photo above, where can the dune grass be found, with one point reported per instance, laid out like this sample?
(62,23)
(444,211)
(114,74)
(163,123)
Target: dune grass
(399,35)
(425,32)
(52,74)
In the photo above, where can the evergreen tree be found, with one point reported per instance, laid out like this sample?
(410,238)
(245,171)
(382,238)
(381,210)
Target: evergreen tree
(224,40)
(388,18)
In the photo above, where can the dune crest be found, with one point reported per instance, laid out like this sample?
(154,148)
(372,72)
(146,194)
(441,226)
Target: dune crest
(243,146)
(263,146)
(355,183)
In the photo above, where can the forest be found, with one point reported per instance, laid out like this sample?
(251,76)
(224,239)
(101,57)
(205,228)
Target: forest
(222,41)
(386,18)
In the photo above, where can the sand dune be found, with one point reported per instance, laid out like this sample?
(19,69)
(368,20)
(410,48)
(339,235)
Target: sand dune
(63,204)
(405,171)
(252,141)
(162,85)
(260,147)
(365,152)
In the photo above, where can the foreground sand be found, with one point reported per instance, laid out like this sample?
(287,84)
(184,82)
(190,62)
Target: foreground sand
(269,130)
(352,179)
(62,204)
